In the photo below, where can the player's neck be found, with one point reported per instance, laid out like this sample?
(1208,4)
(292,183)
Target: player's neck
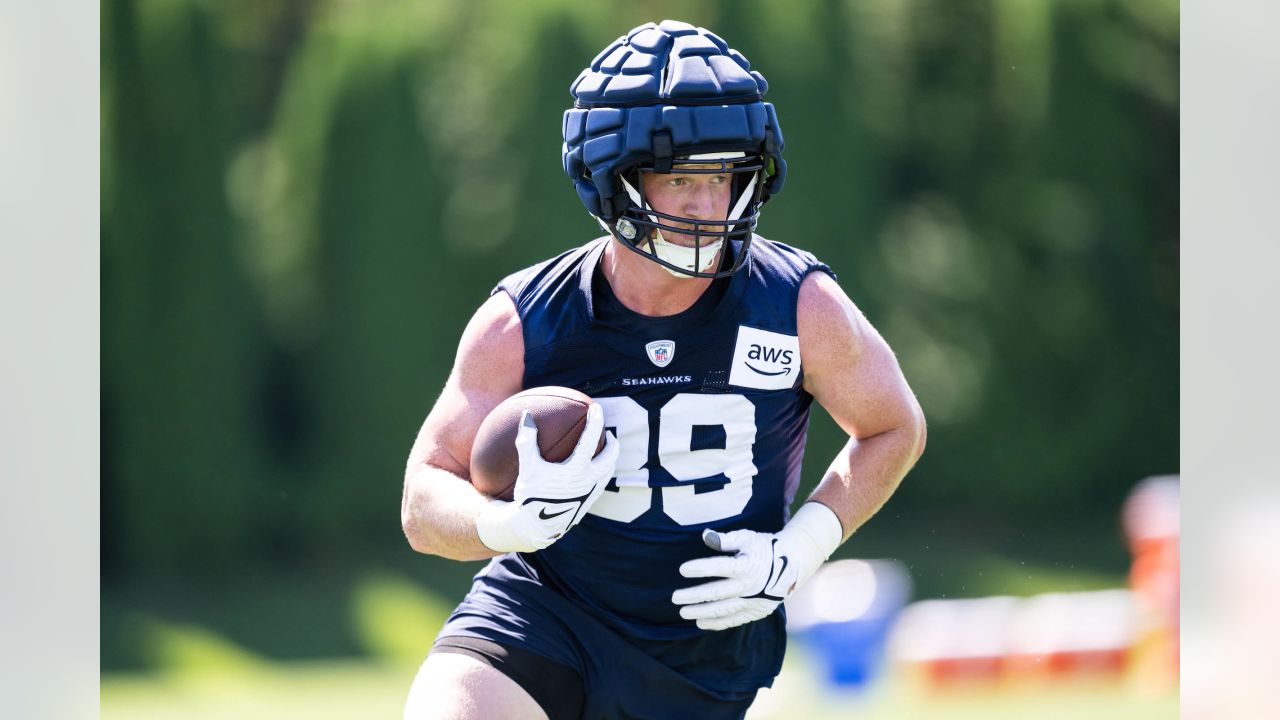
(645,287)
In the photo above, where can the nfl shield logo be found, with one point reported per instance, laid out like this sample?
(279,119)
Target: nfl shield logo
(661,352)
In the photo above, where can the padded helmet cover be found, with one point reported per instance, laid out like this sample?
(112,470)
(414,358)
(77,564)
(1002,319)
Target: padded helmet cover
(663,91)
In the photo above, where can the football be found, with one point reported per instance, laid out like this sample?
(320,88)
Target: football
(560,414)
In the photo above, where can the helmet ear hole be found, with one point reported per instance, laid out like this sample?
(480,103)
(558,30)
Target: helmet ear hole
(619,205)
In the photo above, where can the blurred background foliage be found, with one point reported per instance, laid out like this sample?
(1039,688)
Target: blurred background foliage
(303,202)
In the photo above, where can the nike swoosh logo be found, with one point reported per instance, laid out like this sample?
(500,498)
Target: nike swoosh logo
(783,371)
(577,505)
(783,570)
(543,513)
(773,579)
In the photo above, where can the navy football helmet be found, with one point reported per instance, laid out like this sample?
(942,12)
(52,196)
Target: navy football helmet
(672,98)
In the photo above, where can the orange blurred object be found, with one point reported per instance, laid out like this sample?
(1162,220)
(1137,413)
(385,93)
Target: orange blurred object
(1151,519)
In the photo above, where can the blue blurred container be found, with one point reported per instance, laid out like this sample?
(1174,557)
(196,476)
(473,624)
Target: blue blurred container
(844,613)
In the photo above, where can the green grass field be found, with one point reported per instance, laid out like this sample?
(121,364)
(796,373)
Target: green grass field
(364,689)
(247,650)
(343,639)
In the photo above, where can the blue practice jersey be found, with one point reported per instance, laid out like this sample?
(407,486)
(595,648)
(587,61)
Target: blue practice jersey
(708,406)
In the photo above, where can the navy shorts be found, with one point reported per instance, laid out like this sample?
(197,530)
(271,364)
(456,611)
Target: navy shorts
(556,688)
(620,679)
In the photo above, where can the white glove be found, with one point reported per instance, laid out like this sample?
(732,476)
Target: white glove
(550,498)
(766,568)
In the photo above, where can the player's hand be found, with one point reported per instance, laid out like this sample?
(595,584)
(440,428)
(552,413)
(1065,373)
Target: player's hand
(550,498)
(762,571)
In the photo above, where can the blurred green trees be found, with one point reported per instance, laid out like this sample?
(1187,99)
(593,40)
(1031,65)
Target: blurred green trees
(303,203)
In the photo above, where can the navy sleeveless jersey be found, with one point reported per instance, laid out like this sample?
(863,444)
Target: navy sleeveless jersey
(711,415)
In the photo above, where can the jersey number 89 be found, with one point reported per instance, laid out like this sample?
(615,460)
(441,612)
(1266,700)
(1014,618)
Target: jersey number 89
(675,424)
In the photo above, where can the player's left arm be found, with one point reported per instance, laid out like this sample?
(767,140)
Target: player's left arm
(852,373)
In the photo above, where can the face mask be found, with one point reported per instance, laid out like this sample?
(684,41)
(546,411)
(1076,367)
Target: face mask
(679,255)
(684,257)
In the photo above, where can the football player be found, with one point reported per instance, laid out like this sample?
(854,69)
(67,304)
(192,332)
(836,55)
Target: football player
(703,345)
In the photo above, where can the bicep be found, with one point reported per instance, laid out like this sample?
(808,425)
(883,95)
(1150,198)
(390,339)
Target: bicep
(488,369)
(849,368)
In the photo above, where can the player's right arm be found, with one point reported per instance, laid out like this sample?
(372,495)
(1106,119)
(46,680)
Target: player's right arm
(441,511)
(440,506)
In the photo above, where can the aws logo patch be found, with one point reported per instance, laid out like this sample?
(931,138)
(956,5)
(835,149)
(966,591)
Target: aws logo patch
(765,360)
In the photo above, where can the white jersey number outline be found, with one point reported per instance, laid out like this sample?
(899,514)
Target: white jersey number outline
(676,420)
